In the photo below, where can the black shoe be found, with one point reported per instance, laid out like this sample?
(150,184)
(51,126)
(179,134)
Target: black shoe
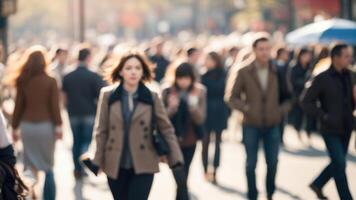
(318,192)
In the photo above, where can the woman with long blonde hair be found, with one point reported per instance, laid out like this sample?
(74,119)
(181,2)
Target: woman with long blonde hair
(37,115)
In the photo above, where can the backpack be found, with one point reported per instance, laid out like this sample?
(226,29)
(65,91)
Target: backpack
(11,185)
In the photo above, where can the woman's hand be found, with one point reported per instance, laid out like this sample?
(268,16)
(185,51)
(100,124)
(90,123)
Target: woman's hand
(59,135)
(16,135)
(163,159)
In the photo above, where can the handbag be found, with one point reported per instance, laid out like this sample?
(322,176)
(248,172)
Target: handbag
(12,187)
(159,143)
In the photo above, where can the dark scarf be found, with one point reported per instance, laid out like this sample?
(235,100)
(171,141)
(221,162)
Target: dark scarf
(181,119)
(7,155)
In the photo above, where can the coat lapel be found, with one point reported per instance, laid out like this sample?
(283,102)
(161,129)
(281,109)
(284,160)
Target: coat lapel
(139,110)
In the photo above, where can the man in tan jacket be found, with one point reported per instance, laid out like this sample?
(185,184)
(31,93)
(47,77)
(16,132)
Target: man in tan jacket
(254,90)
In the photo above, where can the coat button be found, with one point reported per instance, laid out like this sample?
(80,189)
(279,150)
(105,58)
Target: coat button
(142,147)
(146,136)
(142,122)
(109,148)
(112,140)
(113,127)
(145,129)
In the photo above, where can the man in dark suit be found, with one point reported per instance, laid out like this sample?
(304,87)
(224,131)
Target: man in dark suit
(333,89)
(81,89)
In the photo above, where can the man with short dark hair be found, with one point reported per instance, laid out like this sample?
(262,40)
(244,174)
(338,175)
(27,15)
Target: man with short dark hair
(81,89)
(254,91)
(160,60)
(333,90)
(193,55)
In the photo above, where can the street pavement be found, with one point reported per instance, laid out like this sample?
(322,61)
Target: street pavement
(298,165)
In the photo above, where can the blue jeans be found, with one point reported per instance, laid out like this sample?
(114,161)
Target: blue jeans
(49,189)
(82,128)
(271,139)
(337,146)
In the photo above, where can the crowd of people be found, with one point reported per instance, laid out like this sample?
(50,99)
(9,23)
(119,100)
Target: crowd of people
(142,104)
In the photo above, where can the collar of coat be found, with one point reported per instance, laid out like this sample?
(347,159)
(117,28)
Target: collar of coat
(144,94)
(333,71)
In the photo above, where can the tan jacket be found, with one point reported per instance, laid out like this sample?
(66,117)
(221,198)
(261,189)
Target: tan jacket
(109,134)
(37,101)
(244,92)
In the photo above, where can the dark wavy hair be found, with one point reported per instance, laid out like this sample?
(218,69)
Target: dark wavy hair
(113,74)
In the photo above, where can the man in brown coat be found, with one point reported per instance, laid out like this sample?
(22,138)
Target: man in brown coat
(253,90)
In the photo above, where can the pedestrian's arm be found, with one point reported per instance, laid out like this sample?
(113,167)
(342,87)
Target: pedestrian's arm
(101,128)
(167,98)
(310,96)
(54,104)
(234,90)
(167,130)
(19,108)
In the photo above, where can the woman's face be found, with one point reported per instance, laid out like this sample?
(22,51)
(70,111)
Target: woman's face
(132,71)
(306,58)
(184,82)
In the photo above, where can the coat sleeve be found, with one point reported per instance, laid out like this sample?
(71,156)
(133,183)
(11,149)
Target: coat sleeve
(166,128)
(310,96)
(54,103)
(234,89)
(101,128)
(20,105)
(165,95)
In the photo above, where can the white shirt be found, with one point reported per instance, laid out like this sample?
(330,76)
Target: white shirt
(262,73)
(5,140)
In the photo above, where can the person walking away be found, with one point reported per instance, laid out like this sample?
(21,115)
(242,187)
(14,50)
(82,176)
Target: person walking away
(81,89)
(159,59)
(37,116)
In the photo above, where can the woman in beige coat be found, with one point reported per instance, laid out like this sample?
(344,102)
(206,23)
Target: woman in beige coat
(124,148)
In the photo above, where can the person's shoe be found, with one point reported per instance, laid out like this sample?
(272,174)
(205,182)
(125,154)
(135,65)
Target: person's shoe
(206,176)
(213,179)
(318,192)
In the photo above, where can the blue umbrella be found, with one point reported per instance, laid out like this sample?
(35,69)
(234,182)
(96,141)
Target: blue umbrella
(324,32)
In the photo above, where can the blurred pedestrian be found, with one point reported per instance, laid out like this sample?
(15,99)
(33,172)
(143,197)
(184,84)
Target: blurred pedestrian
(124,148)
(58,65)
(185,100)
(159,59)
(255,92)
(37,116)
(214,81)
(285,88)
(300,73)
(193,55)
(81,89)
(333,89)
